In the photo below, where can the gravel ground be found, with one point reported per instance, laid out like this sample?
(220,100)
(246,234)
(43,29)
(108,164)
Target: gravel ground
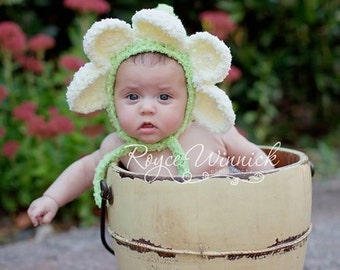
(80,249)
(324,243)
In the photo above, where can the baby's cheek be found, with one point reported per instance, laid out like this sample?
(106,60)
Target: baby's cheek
(173,125)
(129,124)
(125,123)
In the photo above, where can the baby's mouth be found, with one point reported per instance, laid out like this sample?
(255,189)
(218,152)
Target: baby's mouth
(147,128)
(147,125)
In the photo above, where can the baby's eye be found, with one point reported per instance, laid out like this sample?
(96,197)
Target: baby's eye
(132,96)
(164,96)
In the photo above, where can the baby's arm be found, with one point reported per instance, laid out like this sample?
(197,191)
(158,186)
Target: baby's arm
(245,155)
(70,184)
(75,180)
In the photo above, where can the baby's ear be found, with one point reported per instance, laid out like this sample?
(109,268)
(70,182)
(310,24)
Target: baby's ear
(86,92)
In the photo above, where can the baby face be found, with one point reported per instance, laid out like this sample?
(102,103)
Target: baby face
(150,98)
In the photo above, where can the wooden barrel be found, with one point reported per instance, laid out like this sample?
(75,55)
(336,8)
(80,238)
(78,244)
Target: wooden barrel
(240,221)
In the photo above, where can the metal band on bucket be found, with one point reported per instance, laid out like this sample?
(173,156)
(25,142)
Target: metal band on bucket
(279,247)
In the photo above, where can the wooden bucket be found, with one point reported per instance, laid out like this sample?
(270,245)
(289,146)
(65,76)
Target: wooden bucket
(240,221)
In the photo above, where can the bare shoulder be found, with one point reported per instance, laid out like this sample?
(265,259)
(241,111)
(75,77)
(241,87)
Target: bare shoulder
(196,134)
(195,128)
(232,136)
(236,143)
(111,142)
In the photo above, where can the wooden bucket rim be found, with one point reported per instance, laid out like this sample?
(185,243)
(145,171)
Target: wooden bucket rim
(284,158)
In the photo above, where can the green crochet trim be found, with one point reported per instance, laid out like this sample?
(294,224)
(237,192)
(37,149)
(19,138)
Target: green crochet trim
(101,170)
(142,46)
(170,142)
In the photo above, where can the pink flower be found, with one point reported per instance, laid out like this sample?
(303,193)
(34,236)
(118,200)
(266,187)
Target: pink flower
(37,126)
(52,111)
(10,149)
(2,132)
(89,115)
(67,80)
(218,23)
(40,42)
(58,123)
(234,74)
(71,62)
(96,6)
(31,63)
(25,111)
(93,130)
(12,38)
(3,93)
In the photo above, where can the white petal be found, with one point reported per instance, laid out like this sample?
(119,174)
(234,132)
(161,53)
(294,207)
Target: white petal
(86,92)
(213,109)
(160,26)
(211,58)
(105,38)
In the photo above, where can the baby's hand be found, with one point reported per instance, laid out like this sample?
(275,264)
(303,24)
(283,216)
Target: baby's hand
(42,210)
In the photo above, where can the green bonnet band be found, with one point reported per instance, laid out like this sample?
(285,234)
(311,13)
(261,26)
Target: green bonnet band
(130,144)
(143,46)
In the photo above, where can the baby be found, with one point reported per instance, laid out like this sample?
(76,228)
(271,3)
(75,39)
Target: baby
(164,124)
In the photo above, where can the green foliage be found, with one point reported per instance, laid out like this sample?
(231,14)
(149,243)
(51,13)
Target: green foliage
(325,155)
(42,155)
(289,55)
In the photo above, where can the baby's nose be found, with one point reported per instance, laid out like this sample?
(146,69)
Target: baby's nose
(147,107)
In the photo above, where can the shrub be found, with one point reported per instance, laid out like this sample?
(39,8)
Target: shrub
(40,137)
(289,57)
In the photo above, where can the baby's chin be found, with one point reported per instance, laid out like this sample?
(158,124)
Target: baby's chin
(150,139)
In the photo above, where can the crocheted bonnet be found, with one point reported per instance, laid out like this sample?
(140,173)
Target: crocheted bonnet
(205,60)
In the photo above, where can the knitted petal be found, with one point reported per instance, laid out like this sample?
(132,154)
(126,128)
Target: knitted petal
(213,109)
(105,38)
(211,58)
(159,25)
(86,92)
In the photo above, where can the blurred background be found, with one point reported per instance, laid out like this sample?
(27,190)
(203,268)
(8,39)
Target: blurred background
(284,84)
